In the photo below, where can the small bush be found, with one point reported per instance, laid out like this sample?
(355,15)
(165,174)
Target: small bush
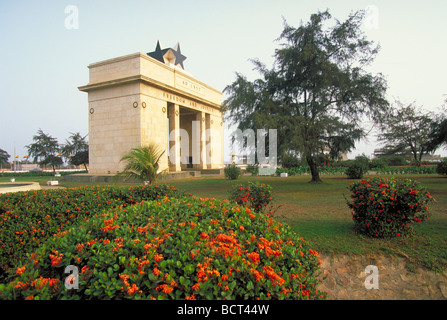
(253,169)
(394,160)
(377,164)
(186,248)
(290,161)
(355,170)
(232,172)
(252,195)
(388,208)
(442,167)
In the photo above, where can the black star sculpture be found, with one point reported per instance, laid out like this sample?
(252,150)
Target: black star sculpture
(179,58)
(159,54)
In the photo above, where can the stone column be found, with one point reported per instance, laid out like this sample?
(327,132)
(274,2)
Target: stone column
(208,142)
(174,137)
(198,143)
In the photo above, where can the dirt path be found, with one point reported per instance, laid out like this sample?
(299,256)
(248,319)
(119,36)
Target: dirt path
(396,280)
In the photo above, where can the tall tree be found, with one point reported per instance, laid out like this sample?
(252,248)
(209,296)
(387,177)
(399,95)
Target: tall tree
(44,145)
(438,133)
(317,92)
(4,156)
(76,150)
(407,128)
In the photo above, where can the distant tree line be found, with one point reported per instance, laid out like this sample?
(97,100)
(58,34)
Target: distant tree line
(47,151)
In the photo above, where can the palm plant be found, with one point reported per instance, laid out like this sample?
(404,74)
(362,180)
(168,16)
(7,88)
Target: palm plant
(142,164)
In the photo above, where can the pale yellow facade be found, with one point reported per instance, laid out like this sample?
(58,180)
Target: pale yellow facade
(135,100)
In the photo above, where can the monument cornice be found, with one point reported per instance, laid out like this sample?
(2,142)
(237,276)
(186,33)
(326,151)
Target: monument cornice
(150,82)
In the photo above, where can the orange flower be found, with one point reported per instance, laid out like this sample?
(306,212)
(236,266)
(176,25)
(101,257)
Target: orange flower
(158,257)
(21,285)
(204,235)
(191,297)
(56,258)
(53,282)
(165,288)
(258,276)
(132,289)
(19,270)
(156,272)
(254,257)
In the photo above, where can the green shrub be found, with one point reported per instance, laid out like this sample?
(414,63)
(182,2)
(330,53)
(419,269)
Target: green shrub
(27,219)
(253,169)
(290,161)
(252,195)
(377,164)
(387,208)
(232,172)
(355,170)
(442,167)
(394,160)
(187,248)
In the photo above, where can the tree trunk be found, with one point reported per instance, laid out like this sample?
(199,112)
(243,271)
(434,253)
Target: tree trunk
(313,169)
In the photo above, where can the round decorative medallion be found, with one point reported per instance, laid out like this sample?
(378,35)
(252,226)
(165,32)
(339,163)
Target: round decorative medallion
(135,104)
(92,110)
(163,109)
(176,112)
(143,104)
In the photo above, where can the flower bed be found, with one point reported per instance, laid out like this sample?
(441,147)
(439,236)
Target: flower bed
(173,248)
(28,218)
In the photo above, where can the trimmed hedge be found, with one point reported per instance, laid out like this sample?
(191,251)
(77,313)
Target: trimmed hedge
(173,248)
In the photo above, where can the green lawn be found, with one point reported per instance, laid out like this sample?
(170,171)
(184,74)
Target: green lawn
(318,213)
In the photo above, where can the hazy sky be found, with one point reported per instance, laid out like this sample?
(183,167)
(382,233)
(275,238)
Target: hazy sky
(44,55)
